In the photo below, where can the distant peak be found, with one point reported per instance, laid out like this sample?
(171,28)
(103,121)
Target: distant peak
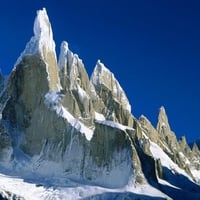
(100,67)
(66,57)
(162,120)
(195,148)
(143,119)
(162,110)
(41,23)
(142,116)
(99,72)
(183,140)
(99,62)
(162,114)
(64,46)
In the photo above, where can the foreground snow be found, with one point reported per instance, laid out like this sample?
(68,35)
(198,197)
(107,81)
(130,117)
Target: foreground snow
(63,188)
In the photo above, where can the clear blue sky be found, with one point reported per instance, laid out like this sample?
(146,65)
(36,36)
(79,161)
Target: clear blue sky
(152,47)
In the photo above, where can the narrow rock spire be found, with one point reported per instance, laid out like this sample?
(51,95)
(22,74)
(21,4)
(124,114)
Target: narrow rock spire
(102,76)
(43,45)
(163,124)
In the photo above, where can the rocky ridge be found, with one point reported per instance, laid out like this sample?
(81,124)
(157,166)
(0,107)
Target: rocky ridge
(55,115)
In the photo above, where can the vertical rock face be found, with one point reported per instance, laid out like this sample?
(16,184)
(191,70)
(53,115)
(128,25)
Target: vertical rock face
(163,125)
(178,151)
(52,120)
(108,89)
(3,93)
(149,129)
(72,70)
(35,73)
(76,85)
(2,81)
(102,77)
(164,129)
(25,107)
(43,45)
(184,146)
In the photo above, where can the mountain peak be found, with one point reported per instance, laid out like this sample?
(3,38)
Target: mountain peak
(43,32)
(65,55)
(42,42)
(42,27)
(162,109)
(64,46)
(163,124)
(102,76)
(163,116)
(43,45)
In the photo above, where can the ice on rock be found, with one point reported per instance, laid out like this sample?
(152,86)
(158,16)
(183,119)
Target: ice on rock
(42,30)
(43,46)
(42,42)
(65,55)
(70,64)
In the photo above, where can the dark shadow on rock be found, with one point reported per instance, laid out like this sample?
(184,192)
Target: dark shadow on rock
(147,165)
(188,189)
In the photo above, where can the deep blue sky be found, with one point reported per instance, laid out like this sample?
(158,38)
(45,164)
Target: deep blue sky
(152,47)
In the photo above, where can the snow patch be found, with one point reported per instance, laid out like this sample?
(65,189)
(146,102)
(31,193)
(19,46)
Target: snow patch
(196,174)
(42,30)
(53,101)
(184,158)
(114,125)
(66,56)
(163,182)
(158,153)
(99,116)
(82,93)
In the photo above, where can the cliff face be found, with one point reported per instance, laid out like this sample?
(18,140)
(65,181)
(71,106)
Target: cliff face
(81,128)
(56,118)
(76,86)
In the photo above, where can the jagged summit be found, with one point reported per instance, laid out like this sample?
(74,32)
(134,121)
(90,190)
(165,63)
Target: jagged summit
(100,70)
(65,56)
(42,42)
(72,70)
(43,31)
(102,76)
(69,63)
(43,45)
(76,85)
(163,124)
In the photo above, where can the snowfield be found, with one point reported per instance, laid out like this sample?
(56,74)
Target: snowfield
(43,189)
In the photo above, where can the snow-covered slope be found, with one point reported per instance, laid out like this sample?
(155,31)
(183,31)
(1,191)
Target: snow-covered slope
(42,189)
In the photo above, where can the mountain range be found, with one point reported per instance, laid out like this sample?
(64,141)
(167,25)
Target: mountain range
(64,135)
